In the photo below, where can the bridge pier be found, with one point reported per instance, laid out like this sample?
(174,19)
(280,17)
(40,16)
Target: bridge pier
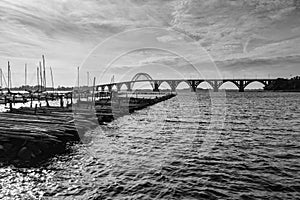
(194,84)
(109,88)
(193,89)
(156,87)
(241,86)
(216,86)
(118,87)
(173,85)
(129,89)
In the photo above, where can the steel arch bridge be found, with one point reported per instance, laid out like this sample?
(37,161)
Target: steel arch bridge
(173,83)
(137,77)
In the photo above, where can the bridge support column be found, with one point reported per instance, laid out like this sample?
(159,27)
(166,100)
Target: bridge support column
(216,86)
(156,87)
(118,87)
(173,85)
(128,86)
(173,89)
(194,84)
(109,88)
(193,89)
(241,86)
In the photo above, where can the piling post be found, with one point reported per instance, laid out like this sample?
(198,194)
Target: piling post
(31,99)
(10,105)
(215,86)
(156,87)
(35,109)
(71,98)
(241,86)
(47,102)
(67,99)
(93,98)
(61,101)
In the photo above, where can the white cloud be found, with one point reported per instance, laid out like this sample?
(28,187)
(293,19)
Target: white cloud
(66,30)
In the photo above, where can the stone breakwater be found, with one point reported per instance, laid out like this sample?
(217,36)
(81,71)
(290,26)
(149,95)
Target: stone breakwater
(31,135)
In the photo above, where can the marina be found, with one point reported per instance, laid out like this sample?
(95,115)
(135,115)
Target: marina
(29,135)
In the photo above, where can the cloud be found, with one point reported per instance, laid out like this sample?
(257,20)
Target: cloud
(231,27)
(281,66)
(238,32)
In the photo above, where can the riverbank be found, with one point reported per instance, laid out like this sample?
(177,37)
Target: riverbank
(287,85)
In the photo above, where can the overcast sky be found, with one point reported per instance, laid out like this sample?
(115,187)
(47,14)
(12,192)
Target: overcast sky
(243,38)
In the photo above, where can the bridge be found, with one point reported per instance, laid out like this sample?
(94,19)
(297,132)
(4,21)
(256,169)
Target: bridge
(173,83)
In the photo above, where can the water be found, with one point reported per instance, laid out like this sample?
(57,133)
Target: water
(179,149)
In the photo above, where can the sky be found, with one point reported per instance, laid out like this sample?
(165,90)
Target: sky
(165,38)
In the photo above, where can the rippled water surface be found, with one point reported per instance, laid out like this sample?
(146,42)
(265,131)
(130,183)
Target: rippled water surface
(194,146)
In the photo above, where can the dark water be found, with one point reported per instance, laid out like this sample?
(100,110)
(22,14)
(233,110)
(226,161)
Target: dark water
(189,147)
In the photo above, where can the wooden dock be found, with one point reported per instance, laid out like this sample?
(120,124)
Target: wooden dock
(30,135)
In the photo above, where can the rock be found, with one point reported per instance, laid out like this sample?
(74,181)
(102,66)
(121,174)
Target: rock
(25,154)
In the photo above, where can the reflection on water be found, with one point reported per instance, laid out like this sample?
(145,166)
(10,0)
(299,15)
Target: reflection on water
(158,153)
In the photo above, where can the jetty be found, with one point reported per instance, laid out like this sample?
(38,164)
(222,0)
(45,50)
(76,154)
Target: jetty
(30,135)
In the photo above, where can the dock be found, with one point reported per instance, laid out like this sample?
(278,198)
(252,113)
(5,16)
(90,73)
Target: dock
(30,135)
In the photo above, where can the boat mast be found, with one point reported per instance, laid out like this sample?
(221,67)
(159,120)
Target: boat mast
(93,92)
(41,75)
(38,78)
(25,74)
(52,78)
(78,77)
(8,76)
(44,68)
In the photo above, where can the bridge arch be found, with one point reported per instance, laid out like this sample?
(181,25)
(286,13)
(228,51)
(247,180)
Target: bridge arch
(173,84)
(138,75)
(184,82)
(207,84)
(241,84)
(160,84)
(263,83)
(136,78)
(114,87)
(230,82)
(106,88)
(122,86)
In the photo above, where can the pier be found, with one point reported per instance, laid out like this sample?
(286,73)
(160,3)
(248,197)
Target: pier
(29,135)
